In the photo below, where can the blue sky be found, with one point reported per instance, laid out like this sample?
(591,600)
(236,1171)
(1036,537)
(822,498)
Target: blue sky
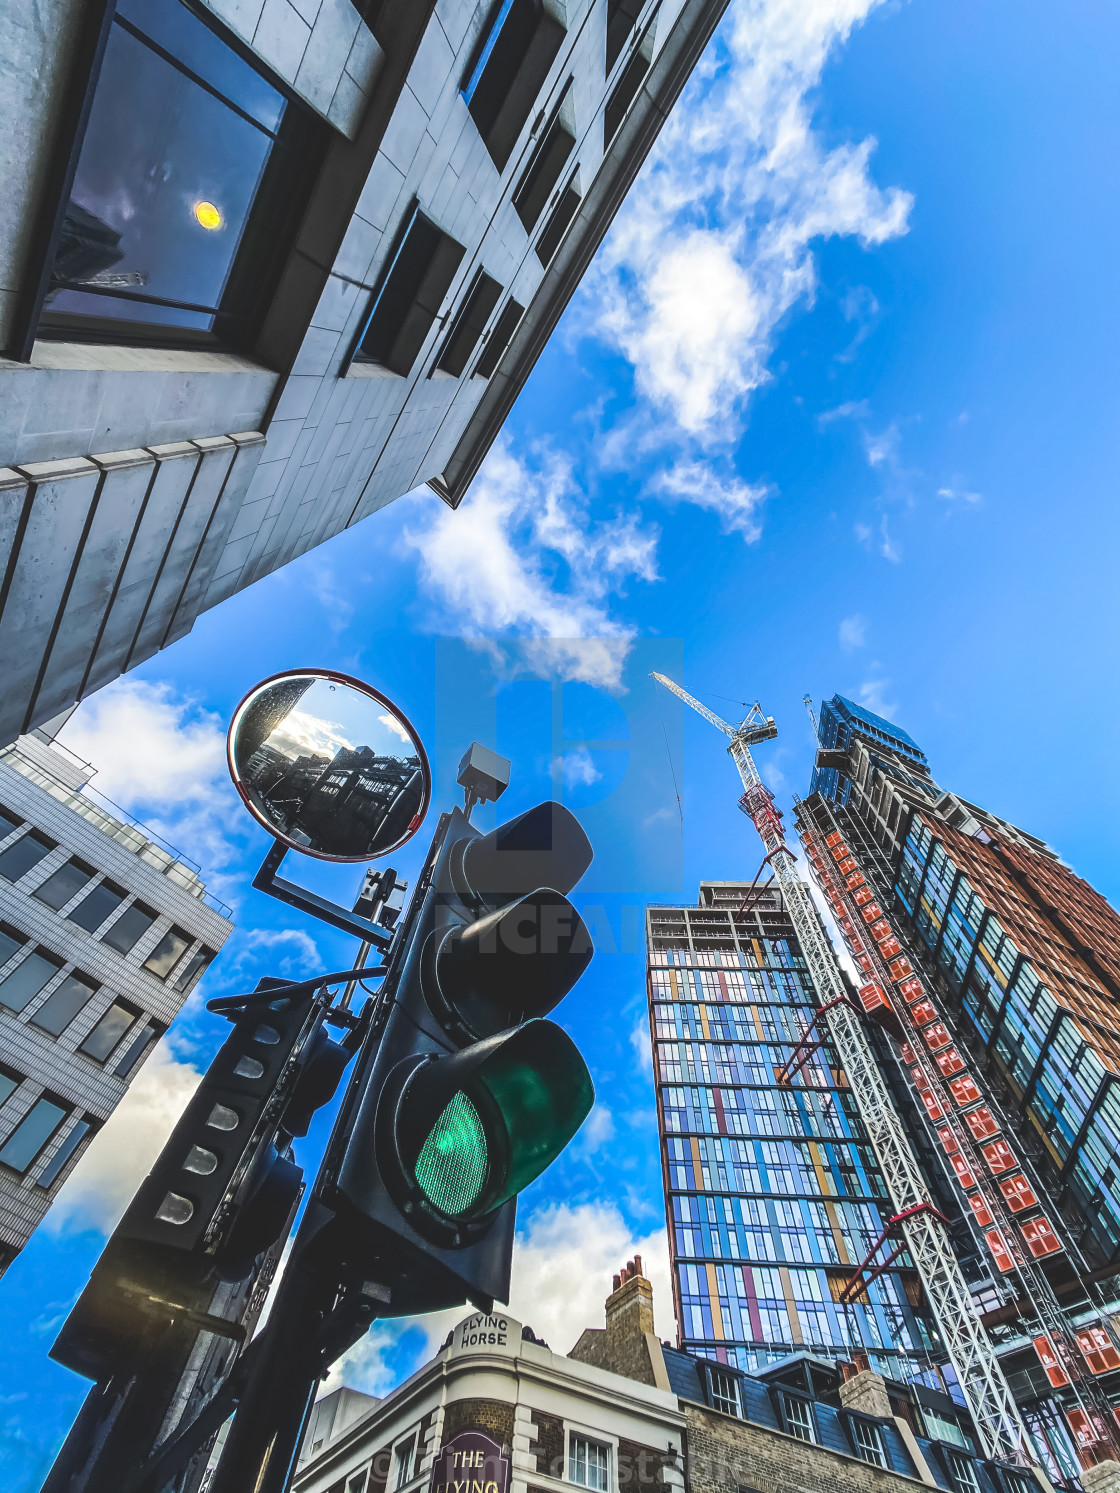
(834,410)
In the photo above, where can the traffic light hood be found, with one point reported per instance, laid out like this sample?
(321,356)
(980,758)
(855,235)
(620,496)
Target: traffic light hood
(511,965)
(545,846)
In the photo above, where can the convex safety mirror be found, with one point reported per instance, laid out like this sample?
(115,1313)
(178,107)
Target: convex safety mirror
(328,765)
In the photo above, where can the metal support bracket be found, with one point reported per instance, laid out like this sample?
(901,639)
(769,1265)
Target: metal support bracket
(266,880)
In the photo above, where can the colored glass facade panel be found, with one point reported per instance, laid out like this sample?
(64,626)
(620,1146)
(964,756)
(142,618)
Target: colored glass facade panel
(773,1194)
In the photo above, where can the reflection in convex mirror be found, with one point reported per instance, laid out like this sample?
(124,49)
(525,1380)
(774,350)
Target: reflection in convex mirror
(328,765)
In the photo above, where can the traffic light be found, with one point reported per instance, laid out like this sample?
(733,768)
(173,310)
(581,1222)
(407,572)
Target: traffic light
(222,1189)
(471,1092)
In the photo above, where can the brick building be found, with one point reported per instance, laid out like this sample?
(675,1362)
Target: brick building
(623,1411)
(104,932)
(265,267)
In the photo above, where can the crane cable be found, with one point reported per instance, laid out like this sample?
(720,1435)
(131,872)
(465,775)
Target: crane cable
(669,754)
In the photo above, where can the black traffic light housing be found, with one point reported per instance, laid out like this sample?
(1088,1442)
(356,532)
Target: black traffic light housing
(222,1189)
(470,1093)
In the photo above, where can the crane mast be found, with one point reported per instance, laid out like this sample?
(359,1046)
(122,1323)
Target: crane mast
(996,1416)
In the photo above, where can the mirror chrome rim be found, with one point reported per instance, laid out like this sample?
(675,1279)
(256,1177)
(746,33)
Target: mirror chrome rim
(333,676)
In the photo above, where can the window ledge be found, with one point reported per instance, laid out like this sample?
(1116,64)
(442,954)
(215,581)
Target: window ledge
(104,357)
(369,370)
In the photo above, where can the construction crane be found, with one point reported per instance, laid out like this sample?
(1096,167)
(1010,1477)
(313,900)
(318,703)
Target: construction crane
(994,1412)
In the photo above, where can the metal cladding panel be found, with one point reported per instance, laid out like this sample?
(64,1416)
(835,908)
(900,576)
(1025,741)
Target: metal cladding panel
(175,467)
(120,500)
(13,498)
(198,508)
(250,446)
(62,493)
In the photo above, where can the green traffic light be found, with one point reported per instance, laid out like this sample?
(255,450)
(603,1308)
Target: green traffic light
(517,1100)
(451,1168)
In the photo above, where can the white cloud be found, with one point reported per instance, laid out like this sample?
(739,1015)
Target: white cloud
(563,1263)
(853,632)
(888,547)
(639,1041)
(391,723)
(294,952)
(872,693)
(732,501)
(860,305)
(884,544)
(301,733)
(120,1156)
(713,248)
(714,245)
(522,559)
(882,448)
(597,1130)
(851,409)
(958,495)
(161,756)
(579,769)
(146,744)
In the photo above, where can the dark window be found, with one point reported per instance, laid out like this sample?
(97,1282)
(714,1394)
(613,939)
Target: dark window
(867,1439)
(8,823)
(962,1473)
(137,1048)
(94,908)
(725,1391)
(19,857)
(27,979)
(10,940)
(498,340)
(63,1004)
(508,70)
(108,1031)
(408,299)
(621,16)
(195,967)
(167,953)
(9,1082)
(625,92)
(191,175)
(32,1134)
(132,924)
(66,1148)
(543,172)
(558,222)
(797,1416)
(63,884)
(467,326)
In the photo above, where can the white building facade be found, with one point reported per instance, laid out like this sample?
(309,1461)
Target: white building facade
(554,1423)
(267,265)
(104,932)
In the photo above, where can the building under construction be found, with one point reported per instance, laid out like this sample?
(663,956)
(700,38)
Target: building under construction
(970,1059)
(993,975)
(774,1195)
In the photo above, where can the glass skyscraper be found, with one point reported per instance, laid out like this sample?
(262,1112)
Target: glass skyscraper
(1019,962)
(773,1194)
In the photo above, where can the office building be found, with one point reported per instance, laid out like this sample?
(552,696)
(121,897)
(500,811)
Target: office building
(998,970)
(623,1412)
(265,266)
(104,932)
(773,1193)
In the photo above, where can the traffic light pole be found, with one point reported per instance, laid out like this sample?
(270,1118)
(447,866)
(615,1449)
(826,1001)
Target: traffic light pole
(298,1345)
(461,1094)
